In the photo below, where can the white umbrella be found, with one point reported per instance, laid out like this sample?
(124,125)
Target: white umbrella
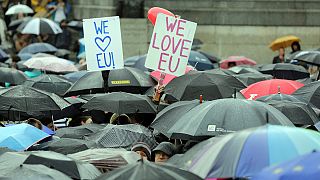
(53,64)
(19,8)
(41,26)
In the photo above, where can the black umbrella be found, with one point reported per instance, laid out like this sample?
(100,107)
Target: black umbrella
(145,170)
(166,118)
(211,85)
(131,80)
(241,70)
(214,59)
(224,116)
(66,145)
(73,168)
(279,97)
(50,83)
(298,113)
(37,48)
(121,103)
(3,56)
(116,136)
(32,172)
(309,93)
(310,57)
(28,99)
(251,78)
(137,62)
(285,71)
(12,76)
(79,132)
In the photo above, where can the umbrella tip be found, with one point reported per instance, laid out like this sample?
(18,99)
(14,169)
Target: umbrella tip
(279,90)
(200,98)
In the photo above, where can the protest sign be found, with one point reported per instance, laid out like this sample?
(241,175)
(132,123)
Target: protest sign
(102,37)
(170,45)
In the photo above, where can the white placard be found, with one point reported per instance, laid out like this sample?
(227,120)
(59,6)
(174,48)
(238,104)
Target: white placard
(102,37)
(170,45)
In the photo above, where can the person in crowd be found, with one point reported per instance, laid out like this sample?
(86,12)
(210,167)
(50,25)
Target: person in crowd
(63,40)
(280,57)
(163,152)
(81,120)
(295,47)
(142,149)
(231,64)
(35,122)
(120,119)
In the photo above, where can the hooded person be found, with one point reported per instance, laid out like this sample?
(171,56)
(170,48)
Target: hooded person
(295,46)
(163,152)
(120,119)
(142,149)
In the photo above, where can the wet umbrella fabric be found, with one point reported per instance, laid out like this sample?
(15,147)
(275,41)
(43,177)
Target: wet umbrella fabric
(79,132)
(123,136)
(136,62)
(310,57)
(121,103)
(28,99)
(242,70)
(19,8)
(20,137)
(39,26)
(74,76)
(50,83)
(38,47)
(285,71)
(144,170)
(32,172)
(223,116)
(72,168)
(303,167)
(251,78)
(239,60)
(12,76)
(273,86)
(244,153)
(199,61)
(107,159)
(53,64)
(3,56)
(309,93)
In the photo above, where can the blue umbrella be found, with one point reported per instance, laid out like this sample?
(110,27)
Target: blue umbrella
(44,129)
(75,76)
(20,137)
(200,61)
(303,167)
(37,48)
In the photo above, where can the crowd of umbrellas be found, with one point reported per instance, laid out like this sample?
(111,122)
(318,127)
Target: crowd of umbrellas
(248,121)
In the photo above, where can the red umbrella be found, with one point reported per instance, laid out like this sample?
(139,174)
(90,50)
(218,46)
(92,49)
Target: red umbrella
(239,60)
(156,75)
(268,87)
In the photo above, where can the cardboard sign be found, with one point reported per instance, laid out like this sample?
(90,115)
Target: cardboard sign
(170,45)
(102,37)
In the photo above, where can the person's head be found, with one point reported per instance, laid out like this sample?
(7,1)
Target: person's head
(63,23)
(120,119)
(231,64)
(35,122)
(281,51)
(142,149)
(295,46)
(163,152)
(80,120)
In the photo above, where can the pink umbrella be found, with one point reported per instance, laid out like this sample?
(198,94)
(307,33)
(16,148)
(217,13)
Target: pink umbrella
(239,60)
(53,64)
(156,75)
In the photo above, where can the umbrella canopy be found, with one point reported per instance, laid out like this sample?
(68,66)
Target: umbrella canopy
(28,99)
(272,86)
(73,168)
(39,26)
(66,145)
(251,78)
(279,97)
(283,42)
(199,61)
(144,170)
(15,23)
(310,57)
(79,132)
(38,47)
(20,137)
(285,71)
(19,8)
(31,172)
(123,136)
(53,64)
(121,103)
(75,76)
(302,167)
(168,77)
(244,153)
(50,83)
(309,93)
(136,62)
(107,159)
(242,70)
(12,76)
(212,85)
(223,116)
(239,60)
(3,56)
(166,118)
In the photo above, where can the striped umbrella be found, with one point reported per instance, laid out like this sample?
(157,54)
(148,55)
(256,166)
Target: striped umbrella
(19,8)
(244,153)
(40,26)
